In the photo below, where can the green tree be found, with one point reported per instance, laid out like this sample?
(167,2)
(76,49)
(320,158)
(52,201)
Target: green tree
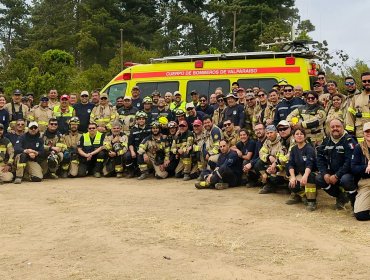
(13,26)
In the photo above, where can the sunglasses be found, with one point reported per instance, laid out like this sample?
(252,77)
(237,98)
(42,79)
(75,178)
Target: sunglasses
(64,99)
(367,131)
(84,96)
(189,109)
(220,100)
(311,98)
(203,100)
(33,127)
(261,95)
(250,99)
(91,128)
(227,124)
(103,98)
(317,86)
(349,83)
(249,91)
(182,125)
(288,90)
(321,78)
(196,125)
(366,81)
(283,128)
(20,124)
(53,124)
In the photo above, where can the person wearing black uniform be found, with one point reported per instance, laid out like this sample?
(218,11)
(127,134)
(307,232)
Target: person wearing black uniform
(160,111)
(234,112)
(29,149)
(137,101)
(228,172)
(16,109)
(83,110)
(4,114)
(90,151)
(137,134)
(245,148)
(301,167)
(172,135)
(334,164)
(204,107)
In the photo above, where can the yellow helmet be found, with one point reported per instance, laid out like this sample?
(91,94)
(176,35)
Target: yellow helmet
(163,120)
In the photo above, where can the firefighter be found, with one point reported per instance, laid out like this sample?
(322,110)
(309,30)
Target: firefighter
(103,112)
(137,134)
(41,114)
(359,111)
(63,113)
(272,161)
(171,136)
(311,117)
(29,148)
(230,133)
(301,167)
(126,114)
(334,164)
(6,157)
(198,161)
(213,135)
(53,149)
(16,109)
(90,151)
(227,173)
(181,147)
(70,154)
(115,144)
(154,151)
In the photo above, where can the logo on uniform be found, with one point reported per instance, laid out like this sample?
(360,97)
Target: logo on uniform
(216,136)
(37,145)
(89,111)
(234,112)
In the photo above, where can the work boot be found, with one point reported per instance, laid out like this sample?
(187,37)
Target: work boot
(119,175)
(187,177)
(266,189)
(293,199)
(341,201)
(53,176)
(143,176)
(221,186)
(202,185)
(311,206)
(18,180)
(178,175)
(97,175)
(64,174)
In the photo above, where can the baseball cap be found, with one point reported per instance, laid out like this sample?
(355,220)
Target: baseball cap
(176,93)
(84,93)
(127,98)
(283,123)
(156,92)
(64,96)
(231,95)
(197,122)
(136,87)
(193,92)
(250,95)
(189,105)
(31,124)
(104,94)
(17,92)
(366,126)
(44,98)
(240,89)
(270,128)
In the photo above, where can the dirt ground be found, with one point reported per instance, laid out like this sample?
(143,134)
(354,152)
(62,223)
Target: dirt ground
(166,229)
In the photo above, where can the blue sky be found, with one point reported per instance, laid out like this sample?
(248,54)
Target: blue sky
(343,24)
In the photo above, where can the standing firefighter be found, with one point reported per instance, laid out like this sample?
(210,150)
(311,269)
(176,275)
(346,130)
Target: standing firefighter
(115,144)
(103,113)
(154,152)
(6,157)
(41,114)
(182,146)
(70,155)
(90,149)
(29,147)
(138,133)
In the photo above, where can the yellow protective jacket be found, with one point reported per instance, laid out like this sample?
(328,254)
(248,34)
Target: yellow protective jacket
(276,149)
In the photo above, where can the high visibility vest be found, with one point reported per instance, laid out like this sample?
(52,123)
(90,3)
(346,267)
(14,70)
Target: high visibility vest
(87,139)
